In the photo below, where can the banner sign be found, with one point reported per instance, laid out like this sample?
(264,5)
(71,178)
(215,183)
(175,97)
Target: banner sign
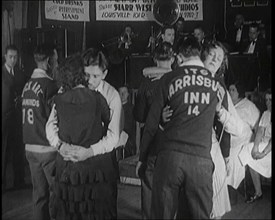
(142,10)
(67,10)
(191,10)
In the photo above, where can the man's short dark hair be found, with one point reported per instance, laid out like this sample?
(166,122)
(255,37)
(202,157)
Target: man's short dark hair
(11,47)
(240,89)
(254,25)
(95,57)
(190,47)
(164,51)
(42,52)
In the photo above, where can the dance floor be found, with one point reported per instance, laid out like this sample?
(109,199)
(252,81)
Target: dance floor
(16,205)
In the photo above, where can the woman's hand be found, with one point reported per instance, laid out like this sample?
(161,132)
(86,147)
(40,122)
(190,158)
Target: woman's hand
(78,153)
(75,153)
(255,153)
(260,155)
(166,114)
(66,151)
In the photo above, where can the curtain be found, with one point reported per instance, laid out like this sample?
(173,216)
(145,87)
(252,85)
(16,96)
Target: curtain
(14,18)
(7,29)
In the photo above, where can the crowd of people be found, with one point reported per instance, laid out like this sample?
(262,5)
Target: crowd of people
(198,137)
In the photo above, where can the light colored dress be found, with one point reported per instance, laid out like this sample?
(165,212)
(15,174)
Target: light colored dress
(261,166)
(233,125)
(221,202)
(250,115)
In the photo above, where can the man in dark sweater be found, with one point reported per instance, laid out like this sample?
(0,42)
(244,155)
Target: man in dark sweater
(36,108)
(183,159)
(164,57)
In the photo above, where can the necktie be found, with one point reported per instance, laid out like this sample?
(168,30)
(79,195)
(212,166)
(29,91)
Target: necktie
(253,42)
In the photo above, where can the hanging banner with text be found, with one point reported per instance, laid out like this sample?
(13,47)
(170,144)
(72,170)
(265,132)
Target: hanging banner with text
(142,10)
(67,10)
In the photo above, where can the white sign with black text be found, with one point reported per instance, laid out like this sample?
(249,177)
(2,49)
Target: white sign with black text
(142,10)
(67,10)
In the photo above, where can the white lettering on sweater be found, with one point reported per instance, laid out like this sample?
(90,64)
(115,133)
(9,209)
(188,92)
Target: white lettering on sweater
(191,80)
(30,102)
(35,88)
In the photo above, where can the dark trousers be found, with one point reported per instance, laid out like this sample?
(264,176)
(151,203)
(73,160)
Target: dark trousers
(41,166)
(175,171)
(146,187)
(13,147)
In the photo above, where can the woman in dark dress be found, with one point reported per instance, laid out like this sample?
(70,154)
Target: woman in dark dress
(82,189)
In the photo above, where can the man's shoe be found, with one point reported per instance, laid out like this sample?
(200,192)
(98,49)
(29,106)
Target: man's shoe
(254,198)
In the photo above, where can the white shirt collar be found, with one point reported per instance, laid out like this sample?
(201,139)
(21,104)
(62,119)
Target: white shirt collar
(9,69)
(193,63)
(40,73)
(100,87)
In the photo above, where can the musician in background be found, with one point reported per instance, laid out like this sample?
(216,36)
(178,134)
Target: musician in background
(199,34)
(180,34)
(238,34)
(167,34)
(119,49)
(126,40)
(257,45)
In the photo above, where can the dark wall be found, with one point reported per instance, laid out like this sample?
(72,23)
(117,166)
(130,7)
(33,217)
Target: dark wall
(257,13)
(100,31)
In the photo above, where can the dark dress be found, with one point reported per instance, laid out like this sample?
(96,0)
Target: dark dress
(84,190)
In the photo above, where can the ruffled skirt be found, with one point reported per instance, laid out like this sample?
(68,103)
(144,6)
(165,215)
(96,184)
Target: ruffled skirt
(85,190)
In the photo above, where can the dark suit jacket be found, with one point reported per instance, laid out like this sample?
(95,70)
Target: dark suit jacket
(264,62)
(12,87)
(261,51)
(260,46)
(231,39)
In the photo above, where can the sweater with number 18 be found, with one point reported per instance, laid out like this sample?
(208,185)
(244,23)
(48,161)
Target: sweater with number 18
(36,107)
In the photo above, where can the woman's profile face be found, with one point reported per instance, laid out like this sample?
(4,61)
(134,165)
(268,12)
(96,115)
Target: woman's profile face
(214,59)
(233,93)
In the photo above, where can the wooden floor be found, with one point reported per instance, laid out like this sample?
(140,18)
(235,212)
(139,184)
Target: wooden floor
(16,205)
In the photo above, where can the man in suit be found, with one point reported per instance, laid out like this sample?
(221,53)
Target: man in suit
(13,82)
(238,34)
(167,34)
(257,46)
(180,33)
(199,34)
